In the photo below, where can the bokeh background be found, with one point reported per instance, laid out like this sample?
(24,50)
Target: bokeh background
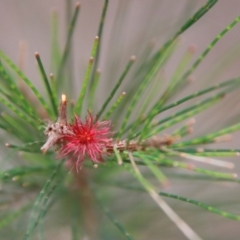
(132,26)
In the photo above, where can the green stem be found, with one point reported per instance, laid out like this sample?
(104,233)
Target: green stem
(47,85)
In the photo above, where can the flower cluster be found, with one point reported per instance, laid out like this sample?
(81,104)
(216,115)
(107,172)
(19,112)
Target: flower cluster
(78,139)
(89,138)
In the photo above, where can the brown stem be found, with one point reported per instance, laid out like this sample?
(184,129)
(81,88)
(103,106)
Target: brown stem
(132,146)
(87,204)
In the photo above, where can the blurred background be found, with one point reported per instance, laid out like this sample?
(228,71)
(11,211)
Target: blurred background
(132,27)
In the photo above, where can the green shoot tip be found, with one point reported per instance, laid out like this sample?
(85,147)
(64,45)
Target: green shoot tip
(63,98)
(191,121)
(191,79)
(77,5)
(25,184)
(223,138)
(192,48)
(199,150)
(15,178)
(133,58)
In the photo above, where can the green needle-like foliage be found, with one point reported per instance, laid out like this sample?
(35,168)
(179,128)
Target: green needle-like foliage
(120,186)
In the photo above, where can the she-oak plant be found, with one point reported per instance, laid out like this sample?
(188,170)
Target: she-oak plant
(122,138)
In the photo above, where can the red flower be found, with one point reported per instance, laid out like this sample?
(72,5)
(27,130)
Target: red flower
(83,139)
